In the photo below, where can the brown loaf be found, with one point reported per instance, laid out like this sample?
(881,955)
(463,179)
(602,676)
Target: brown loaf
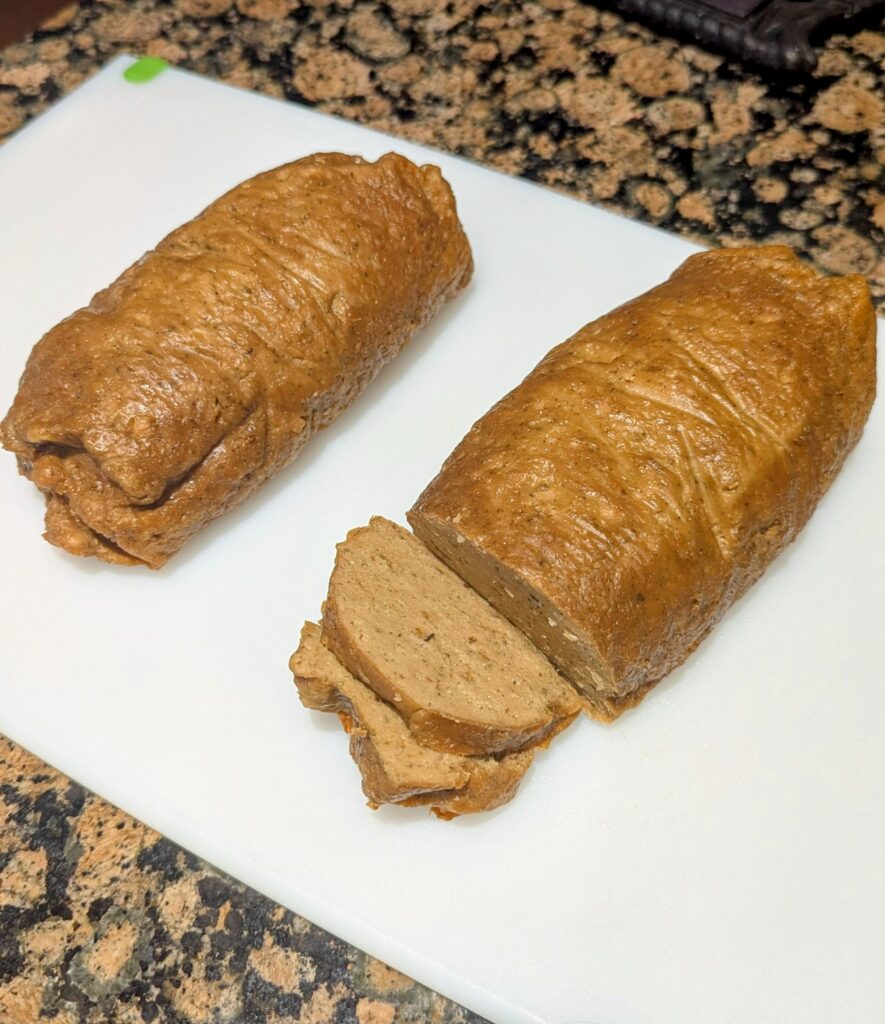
(394,766)
(205,367)
(458,673)
(648,470)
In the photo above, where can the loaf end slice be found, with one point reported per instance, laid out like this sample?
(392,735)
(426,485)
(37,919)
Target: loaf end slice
(395,767)
(462,677)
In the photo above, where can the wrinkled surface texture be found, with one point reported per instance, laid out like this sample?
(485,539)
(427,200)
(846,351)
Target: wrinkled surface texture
(651,467)
(203,369)
(396,768)
(572,95)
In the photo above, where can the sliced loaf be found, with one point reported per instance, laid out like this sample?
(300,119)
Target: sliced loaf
(395,767)
(648,470)
(463,678)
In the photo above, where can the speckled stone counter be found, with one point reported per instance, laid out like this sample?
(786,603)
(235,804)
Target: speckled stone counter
(559,91)
(102,920)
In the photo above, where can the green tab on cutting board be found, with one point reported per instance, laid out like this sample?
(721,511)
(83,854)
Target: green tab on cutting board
(145,69)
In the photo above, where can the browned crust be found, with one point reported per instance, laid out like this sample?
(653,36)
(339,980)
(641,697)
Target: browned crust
(204,368)
(467,785)
(650,468)
(493,783)
(65,530)
(430,728)
(458,737)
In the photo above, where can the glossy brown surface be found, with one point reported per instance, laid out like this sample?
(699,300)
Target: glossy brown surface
(396,768)
(650,468)
(205,367)
(565,93)
(455,670)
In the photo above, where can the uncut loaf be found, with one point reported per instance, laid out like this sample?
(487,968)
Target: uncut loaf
(648,470)
(202,370)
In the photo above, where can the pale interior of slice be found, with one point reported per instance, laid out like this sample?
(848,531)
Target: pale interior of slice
(438,645)
(322,682)
(395,767)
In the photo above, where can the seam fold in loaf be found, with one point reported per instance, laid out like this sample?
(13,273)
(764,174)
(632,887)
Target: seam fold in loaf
(203,369)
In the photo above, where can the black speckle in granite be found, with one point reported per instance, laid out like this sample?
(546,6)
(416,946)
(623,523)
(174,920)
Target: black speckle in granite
(257,923)
(212,972)
(163,857)
(238,960)
(451,56)
(234,923)
(345,1011)
(191,942)
(206,918)
(214,891)
(136,990)
(330,959)
(288,1005)
(12,961)
(221,942)
(12,796)
(98,908)
(261,998)
(525,57)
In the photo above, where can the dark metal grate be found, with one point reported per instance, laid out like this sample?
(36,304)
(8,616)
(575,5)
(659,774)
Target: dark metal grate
(776,33)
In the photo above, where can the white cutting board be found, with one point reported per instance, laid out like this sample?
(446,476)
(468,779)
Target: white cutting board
(716,856)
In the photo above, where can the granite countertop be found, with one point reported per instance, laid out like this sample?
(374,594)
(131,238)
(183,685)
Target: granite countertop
(103,920)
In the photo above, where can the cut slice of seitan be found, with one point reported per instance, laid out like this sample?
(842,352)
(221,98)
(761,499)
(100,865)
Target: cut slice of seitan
(394,766)
(465,680)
